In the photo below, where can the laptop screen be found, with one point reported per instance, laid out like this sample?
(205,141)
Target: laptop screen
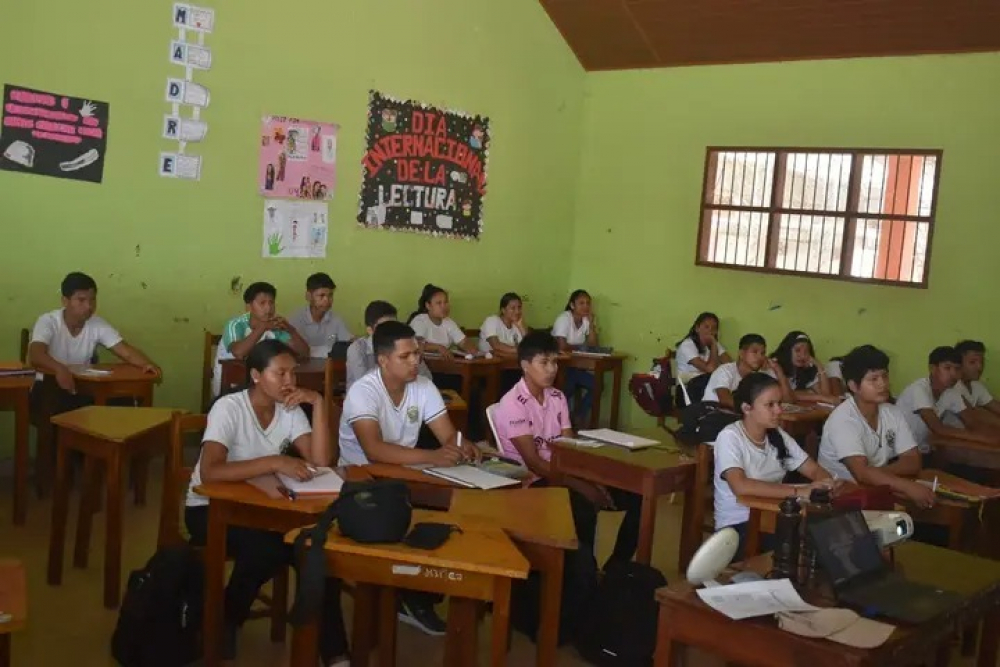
(846,548)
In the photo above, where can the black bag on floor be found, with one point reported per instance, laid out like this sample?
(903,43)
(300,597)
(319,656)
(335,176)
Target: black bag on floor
(579,588)
(159,624)
(620,630)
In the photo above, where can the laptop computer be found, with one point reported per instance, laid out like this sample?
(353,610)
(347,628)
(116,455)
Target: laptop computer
(848,553)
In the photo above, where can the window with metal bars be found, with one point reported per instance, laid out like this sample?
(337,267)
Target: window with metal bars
(851,214)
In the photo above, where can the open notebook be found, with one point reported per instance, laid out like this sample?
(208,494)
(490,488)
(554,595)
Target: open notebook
(326,482)
(618,438)
(472,477)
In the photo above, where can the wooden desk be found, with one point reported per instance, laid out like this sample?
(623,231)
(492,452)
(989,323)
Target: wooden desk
(112,435)
(474,565)
(650,472)
(13,601)
(800,424)
(14,395)
(242,504)
(684,620)
(541,524)
(599,365)
(468,370)
(309,374)
(975,454)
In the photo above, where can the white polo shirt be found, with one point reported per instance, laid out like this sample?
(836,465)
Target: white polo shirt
(66,348)
(846,433)
(233,424)
(566,328)
(447,333)
(919,396)
(975,393)
(494,326)
(733,449)
(688,351)
(726,376)
(368,399)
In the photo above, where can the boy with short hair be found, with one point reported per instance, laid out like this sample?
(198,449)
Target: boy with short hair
(983,410)
(71,334)
(383,413)
(752,359)
(259,322)
(533,414)
(316,321)
(866,438)
(932,408)
(361,354)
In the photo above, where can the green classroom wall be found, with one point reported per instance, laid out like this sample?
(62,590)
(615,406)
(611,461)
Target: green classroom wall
(166,252)
(644,138)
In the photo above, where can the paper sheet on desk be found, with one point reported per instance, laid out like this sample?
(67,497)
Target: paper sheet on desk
(754,598)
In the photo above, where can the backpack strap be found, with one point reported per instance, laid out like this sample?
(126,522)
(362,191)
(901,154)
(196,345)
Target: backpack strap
(310,583)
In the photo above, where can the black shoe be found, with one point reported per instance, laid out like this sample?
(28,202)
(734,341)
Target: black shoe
(422,618)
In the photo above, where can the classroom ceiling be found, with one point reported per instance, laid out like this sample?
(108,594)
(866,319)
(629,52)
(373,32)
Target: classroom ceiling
(633,34)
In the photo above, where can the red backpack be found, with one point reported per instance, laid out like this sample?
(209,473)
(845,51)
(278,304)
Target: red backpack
(654,394)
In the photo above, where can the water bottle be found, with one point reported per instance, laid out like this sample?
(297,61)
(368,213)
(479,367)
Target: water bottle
(787,537)
(820,506)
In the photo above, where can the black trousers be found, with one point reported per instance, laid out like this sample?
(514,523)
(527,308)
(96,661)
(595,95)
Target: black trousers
(257,556)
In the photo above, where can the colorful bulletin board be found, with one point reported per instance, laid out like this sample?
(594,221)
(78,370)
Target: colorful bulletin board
(298,158)
(424,169)
(53,135)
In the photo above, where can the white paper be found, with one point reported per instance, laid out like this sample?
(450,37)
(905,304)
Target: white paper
(180,91)
(174,165)
(184,129)
(754,598)
(190,55)
(325,481)
(188,16)
(295,228)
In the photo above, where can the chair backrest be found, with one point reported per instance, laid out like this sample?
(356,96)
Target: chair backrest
(176,477)
(333,376)
(25,340)
(704,469)
(493,427)
(209,347)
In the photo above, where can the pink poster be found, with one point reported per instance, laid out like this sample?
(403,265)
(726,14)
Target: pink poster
(298,158)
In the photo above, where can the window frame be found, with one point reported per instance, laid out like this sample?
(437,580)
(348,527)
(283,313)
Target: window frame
(851,214)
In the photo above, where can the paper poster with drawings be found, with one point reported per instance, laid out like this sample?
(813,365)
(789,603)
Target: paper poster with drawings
(295,228)
(298,158)
(424,169)
(53,135)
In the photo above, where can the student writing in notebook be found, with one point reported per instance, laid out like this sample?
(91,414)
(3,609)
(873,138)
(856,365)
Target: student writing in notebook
(755,457)
(383,413)
(533,414)
(806,376)
(752,358)
(361,354)
(316,322)
(252,433)
(433,325)
(259,322)
(866,438)
(576,327)
(69,336)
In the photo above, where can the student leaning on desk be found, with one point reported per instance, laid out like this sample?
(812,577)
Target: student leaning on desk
(248,435)
(70,336)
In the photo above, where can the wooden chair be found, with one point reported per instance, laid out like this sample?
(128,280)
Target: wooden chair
(13,601)
(176,478)
(25,341)
(209,346)
(703,518)
(332,379)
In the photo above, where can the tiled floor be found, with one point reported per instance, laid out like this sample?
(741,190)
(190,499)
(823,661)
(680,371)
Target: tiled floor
(69,626)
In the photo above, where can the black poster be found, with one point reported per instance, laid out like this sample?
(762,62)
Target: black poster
(424,169)
(53,135)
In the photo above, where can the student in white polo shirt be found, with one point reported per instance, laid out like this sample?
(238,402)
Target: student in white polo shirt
(259,431)
(361,354)
(576,327)
(500,334)
(316,322)
(985,410)
(752,358)
(383,413)
(806,375)
(754,456)
(436,330)
(866,438)
(700,351)
(70,336)
(931,408)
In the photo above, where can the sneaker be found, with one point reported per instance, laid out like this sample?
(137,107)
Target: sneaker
(422,618)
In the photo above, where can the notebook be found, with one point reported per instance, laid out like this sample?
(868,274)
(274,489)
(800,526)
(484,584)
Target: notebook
(326,482)
(618,438)
(472,477)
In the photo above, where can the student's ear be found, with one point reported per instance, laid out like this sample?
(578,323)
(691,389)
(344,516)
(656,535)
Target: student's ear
(852,386)
(370,330)
(254,376)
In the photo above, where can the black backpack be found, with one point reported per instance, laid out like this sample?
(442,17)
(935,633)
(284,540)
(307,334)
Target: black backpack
(159,624)
(621,628)
(704,421)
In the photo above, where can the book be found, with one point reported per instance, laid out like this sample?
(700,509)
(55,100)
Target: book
(618,438)
(326,482)
(472,477)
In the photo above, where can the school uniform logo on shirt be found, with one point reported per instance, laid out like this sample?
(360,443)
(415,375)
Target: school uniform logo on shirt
(890,439)
(412,413)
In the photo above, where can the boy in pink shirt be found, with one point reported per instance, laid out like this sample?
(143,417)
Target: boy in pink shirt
(533,414)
